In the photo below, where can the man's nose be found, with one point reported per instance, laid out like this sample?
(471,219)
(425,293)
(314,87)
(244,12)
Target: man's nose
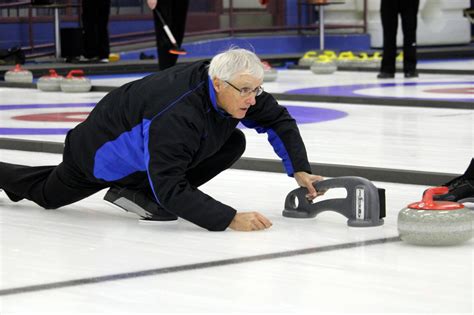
(251,100)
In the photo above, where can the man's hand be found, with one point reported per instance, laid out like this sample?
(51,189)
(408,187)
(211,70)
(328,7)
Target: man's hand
(249,221)
(306,180)
(152,4)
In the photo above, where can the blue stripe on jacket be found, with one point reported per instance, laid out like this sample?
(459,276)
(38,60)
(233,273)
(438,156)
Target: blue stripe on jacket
(121,157)
(128,153)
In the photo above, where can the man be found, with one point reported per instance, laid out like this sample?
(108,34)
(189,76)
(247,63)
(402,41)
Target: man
(155,140)
(408,10)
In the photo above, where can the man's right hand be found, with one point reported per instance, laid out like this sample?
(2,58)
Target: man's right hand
(249,221)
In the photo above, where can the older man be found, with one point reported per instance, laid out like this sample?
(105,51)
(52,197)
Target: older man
(155,140)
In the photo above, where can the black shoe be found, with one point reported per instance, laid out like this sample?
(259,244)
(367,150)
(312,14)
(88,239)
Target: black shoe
(12,196)
(83,59)
(144,56)
(459,188)
(411,74)
(138,202)
(385,75)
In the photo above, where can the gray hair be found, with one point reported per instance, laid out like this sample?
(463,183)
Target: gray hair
(235,61)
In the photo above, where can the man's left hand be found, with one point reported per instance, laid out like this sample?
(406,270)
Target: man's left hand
(306,180)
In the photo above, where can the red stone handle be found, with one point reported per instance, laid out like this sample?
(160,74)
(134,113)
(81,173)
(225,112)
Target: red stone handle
(429,193)
(75,73)
(53,73)
(427,203)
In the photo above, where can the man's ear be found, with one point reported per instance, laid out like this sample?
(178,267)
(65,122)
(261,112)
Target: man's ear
(217,84)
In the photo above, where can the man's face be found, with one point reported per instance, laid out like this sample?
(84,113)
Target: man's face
(230,99)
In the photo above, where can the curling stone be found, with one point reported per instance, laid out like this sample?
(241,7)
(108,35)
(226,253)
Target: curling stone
(365,60)
(75,82)
(323,65)
(330,53)
(431,222)
(345,59)
(51,82)
(19,75)
(377,59)
(308,58)
(269,74)
(113,57)
(399,61)
(364,204)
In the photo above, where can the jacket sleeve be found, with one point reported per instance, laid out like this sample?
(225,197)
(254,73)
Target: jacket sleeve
(172,142)
(283,134)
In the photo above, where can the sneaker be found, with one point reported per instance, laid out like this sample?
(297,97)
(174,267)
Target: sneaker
(138,202)
(104,60)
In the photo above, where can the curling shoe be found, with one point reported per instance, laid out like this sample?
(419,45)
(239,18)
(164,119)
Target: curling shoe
(138,202)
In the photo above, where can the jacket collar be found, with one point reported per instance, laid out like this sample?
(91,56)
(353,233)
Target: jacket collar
(212,95)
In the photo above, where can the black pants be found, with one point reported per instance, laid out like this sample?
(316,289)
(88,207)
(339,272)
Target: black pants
(408,10)
(95,18)
(174,13)
(52,187)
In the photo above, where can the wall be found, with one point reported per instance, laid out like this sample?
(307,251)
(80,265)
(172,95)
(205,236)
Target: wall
(16,34)
(440,22)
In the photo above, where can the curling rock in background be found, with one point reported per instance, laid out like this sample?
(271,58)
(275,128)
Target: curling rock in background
(377,58)
(19,75)
(435,222)
(323,65)
(76,82)
(399,61)
(51,82)
(364,60)
(308,58)
(331,54)
(345,59)
(114,57)
(269,74)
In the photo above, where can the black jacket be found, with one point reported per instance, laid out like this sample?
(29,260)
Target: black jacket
(156,128)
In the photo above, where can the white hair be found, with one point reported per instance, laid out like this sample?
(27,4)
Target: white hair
(233,62)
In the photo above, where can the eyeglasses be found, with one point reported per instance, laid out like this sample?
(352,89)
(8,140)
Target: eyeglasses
(245,92)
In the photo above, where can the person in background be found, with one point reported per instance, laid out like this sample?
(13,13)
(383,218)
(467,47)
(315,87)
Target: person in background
(95,19)
(174,13)
(389,11)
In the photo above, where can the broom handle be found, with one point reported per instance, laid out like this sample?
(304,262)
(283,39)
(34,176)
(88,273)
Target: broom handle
(165,27)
